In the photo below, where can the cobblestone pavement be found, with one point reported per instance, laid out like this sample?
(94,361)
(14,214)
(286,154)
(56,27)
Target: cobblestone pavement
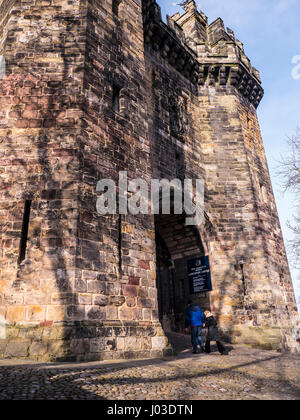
(244,374)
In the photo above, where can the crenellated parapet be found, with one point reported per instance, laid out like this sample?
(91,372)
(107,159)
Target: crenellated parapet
(206,54)
(169,41)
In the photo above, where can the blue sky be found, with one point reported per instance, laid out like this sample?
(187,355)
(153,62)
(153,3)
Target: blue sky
(270,31)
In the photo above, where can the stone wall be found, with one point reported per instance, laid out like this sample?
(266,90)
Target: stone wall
(253,295)
(247,293)
(40,124)
(59,136)
(89,93)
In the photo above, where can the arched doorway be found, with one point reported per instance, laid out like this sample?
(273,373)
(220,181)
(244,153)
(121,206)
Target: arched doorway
(176,245)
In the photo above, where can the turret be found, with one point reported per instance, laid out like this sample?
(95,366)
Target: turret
(207,54)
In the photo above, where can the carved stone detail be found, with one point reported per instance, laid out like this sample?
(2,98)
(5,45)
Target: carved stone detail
(178,116)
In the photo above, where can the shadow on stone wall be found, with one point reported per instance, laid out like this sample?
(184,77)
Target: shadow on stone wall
(44,117)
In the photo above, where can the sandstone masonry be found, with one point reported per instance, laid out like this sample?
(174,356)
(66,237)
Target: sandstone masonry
(96,87)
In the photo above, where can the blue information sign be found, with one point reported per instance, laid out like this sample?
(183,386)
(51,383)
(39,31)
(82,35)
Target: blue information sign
(199,275)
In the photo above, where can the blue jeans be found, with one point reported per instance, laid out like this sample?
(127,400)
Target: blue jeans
(196,337)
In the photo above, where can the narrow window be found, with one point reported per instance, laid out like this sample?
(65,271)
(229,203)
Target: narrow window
(116,98)
(24,233)
(115,7)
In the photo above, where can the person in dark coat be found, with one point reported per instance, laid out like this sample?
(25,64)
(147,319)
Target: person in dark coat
(213,333)
(194,319)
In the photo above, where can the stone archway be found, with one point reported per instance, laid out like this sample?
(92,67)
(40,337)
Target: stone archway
(176,244)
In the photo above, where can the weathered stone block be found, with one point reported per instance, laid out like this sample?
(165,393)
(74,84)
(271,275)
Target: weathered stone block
(75,312)
(17,349)
(85,298)
(146,314)
(144,303)
(95,286)
(55,313)
(137,313)
(95,312)
(38,349)
(58,348)
(117,300)
(3,344)
(131,302)
(129,290)
(80,346)
(35,313)
(97,345)
(125,313)
(111,312)
(110,344)
(159,343)
(100,300)
(15,313)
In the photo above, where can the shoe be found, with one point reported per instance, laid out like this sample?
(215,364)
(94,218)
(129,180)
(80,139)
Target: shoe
(224,353)
(195,352)
(202,349)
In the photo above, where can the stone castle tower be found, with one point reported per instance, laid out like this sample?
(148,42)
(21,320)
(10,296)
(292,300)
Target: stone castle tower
(95,87)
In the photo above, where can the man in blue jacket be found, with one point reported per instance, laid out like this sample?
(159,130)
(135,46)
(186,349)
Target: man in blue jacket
(194,319)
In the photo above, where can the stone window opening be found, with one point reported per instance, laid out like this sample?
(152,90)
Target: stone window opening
(250,124)
(264,193)
(178,156)
(115,7)
(116,98)
(241,265)
(24,232)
